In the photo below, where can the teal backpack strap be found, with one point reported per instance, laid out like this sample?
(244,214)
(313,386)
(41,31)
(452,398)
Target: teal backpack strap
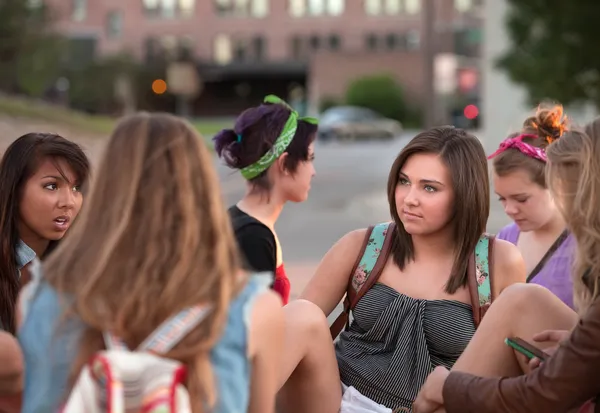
(366,271)
(480,277)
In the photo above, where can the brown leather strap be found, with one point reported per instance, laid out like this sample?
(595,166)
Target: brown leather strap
(472,284)
(352,296)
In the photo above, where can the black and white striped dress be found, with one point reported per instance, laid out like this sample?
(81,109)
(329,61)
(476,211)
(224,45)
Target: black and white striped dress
(395,341)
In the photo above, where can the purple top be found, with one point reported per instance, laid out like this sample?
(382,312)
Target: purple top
(556,273)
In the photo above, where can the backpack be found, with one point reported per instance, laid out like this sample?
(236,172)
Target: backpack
(117,380)
(374,255)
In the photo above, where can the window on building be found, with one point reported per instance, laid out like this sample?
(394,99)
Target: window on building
(222,49)
(393,7)
(297,8)
(242,8)
(316,7)
(114,24)
(169,9)
(296,46)
(413,40)
(186,7)
(371,41)
(170,47)
(315,42)
(79,11)
(301,8)
(373,7)
(463,6)
(186,48)
(392,41)
(259,44)
(150,50)
(412,6)
(260,8)
(240,50)
(335,42)
(336,7)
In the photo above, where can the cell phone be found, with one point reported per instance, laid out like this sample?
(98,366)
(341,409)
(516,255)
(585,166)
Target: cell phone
(525,348)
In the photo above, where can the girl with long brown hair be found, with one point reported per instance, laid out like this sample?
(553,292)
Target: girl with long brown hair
(489,376)
(153,239)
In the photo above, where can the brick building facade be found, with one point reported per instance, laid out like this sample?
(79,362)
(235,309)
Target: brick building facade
(244,48)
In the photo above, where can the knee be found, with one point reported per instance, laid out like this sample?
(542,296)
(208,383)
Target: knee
(520,297)
(306,316)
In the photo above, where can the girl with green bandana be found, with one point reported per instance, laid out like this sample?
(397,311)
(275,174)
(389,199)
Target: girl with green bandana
(274,150)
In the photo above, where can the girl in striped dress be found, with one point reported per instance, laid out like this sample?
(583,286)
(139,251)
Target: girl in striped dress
(419,314)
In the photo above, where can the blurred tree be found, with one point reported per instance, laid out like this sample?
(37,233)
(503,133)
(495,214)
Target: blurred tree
(30,55)
(380,93)
(552,52)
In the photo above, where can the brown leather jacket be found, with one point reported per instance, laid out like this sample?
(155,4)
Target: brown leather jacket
(564,382)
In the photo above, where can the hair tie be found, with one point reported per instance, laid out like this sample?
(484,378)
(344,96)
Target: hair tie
(239,137)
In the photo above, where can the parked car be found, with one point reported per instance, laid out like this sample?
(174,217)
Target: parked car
(351,123)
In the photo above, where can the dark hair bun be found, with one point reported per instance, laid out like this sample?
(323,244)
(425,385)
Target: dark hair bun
(549,123)
(228,148)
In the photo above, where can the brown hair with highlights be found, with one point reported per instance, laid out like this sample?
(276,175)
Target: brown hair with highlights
(574,175)
(152,239)
(548,124)
(464,156)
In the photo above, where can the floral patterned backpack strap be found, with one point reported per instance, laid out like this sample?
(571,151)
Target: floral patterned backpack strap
(366,271)
(480,277)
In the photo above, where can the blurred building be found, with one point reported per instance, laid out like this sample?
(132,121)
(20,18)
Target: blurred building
(244,49)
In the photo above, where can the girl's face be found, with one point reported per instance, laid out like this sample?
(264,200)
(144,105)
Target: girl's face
(50,201)
(528,204)
(295,187)
(424,194)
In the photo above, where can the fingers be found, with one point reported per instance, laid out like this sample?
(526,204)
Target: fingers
(550,335)
(534,363)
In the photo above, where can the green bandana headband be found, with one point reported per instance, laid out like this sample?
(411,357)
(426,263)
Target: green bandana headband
(282,142)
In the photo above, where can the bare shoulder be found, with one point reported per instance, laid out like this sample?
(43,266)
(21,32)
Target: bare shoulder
(266,320)
(351,242)
(509,267)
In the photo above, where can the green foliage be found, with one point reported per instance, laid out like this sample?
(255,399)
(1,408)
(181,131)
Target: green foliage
(40,64)
(380,93)
(29,54)
(552,52)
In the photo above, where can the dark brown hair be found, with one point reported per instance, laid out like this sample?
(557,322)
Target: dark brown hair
(548,124)
(464,156)
(152,239)
(20,161)
(255,133)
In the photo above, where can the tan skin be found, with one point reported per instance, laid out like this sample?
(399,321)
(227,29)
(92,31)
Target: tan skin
(424,198)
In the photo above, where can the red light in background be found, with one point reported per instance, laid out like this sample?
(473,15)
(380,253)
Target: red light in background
(471,112)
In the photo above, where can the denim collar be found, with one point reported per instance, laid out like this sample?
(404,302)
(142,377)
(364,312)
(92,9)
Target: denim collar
(24,254)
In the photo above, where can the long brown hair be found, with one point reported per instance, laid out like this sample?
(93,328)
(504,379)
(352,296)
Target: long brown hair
(548,124)
(20,161)
(464,157)
(574,176)
(153,239)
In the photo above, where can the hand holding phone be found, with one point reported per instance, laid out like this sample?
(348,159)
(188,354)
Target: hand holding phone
(525,348)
